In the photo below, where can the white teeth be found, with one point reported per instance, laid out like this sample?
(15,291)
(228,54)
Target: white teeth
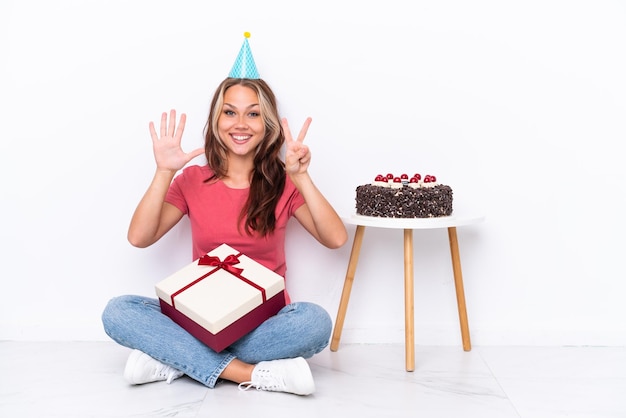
(240,138)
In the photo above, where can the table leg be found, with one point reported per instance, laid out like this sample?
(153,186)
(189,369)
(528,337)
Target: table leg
(347,287)
(409,325)
(458,283)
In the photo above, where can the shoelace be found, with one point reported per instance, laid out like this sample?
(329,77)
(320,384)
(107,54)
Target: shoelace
(167,372)
(271,383)
(243,386)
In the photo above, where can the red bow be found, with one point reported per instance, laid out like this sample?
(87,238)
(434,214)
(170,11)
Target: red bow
(227,264)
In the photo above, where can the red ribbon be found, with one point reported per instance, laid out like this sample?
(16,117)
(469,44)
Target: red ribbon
(228,265)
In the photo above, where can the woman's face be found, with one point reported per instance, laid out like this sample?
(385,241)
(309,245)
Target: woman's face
(240,125)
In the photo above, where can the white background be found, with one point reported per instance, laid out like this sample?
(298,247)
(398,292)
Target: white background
(519,106)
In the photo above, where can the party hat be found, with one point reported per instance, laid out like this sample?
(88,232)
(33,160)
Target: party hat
(244,66)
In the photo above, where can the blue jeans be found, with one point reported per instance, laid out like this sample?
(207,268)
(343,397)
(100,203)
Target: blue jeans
(300,329)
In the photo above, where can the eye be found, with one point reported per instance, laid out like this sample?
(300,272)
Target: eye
(229,112)
(254,114)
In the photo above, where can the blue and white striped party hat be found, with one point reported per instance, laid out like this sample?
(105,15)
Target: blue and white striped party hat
(244,66)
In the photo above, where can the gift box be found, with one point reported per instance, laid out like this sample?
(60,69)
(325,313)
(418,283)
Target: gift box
(221,296)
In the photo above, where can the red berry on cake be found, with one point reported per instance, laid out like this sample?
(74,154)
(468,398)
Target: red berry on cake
(389,176)
(430,180)
(396,183)
(380,181)
(417,176)
(414,180)
(404,176)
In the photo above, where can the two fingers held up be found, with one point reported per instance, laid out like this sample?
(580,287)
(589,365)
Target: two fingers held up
(297,155)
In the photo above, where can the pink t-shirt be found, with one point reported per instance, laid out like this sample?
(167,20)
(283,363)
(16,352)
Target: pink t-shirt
(213,209)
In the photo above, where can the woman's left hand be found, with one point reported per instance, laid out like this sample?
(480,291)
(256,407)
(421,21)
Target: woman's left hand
(297,155)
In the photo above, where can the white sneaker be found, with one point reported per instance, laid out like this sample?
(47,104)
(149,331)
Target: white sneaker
(287,375)
(141,368)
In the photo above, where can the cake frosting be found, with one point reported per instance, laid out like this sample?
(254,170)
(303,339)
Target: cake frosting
(390,196)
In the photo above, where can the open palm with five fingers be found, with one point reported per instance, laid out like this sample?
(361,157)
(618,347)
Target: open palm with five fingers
(166,145)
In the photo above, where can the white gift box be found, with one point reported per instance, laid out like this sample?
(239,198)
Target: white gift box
(221,296)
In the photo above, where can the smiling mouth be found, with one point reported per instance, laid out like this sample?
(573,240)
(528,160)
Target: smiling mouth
(241,138)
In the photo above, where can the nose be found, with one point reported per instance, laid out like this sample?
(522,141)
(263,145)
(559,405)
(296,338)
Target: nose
(241,122)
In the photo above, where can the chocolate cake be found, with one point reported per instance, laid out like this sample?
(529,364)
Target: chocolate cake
(403,197)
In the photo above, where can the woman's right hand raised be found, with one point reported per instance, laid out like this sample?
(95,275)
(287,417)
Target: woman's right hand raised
(166,146)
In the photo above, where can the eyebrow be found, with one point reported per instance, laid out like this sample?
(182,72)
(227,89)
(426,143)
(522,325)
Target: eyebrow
(235,107)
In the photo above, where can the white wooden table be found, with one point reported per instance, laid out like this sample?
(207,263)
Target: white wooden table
(408,225)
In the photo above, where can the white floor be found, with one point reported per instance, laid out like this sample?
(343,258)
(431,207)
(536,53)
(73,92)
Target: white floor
(84,379)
